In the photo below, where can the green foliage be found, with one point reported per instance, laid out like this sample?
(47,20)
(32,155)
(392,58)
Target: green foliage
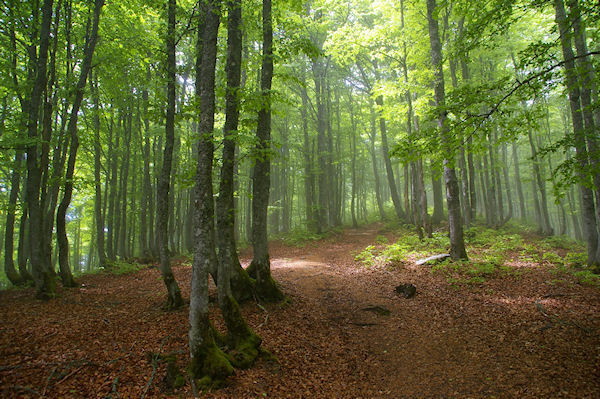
(120,267)
(587,277)
(470,272)
(563,242)
(381,239)
(301,237)
(575,259)
(367,256)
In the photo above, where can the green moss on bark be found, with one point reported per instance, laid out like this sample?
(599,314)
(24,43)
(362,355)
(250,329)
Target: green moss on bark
(245,350)
(210,367)
(242,285)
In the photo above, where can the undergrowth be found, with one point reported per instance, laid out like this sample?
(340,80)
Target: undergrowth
(509,251)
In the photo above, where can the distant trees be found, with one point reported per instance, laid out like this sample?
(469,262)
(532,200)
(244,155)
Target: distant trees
(109,143)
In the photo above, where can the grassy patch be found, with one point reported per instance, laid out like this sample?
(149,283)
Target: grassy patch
(300,238)
(492,254)
(120,267)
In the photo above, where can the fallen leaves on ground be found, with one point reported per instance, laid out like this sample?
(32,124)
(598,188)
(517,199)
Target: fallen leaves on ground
(516,336)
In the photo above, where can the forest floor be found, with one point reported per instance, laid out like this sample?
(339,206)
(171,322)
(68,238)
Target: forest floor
(532,333)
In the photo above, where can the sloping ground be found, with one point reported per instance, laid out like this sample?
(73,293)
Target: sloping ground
(525,335)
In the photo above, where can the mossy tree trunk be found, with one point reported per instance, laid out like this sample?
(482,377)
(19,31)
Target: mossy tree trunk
(266,288)
(174,299)
(242,283)
(207,362)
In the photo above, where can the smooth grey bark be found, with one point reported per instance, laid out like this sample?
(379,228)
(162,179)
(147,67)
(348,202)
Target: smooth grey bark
(241,338)
(322,212)
(266,288)
(145,215)
(353,151)
(207,361)
(174,299)
(387,162)
(544,221)
(507,183)
(99,217)
(438,196)
(15,185)
(590,110)
(457,245)
(231,274)
(123,249)
(113,160)
(522,208)
(42,271)
(61,230)
(589,222)
(373,136)
(309,180)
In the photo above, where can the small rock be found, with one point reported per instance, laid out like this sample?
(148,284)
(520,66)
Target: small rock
(432,259)
(406,290)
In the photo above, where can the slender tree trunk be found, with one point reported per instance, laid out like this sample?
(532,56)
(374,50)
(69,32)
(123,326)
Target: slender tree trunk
(574,93)
(522,208)
(309,184)
(353,151)
(174,299)
(507,183)
(61,231)
(99,219)
(319,73)
(207,360)
(457,246)
(374,162)
(43,274)
(266,288)
(545,227)
(229,265)
(15,185)
(438,196)
(388,163)
(240,336)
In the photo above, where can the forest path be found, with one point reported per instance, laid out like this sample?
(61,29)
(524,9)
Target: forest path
(447,341)
(530,334)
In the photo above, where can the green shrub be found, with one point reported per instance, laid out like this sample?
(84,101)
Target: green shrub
(552,257)
(301,237)
(563,242)
(367,256)
(575,259)
(587,277)
(381,239)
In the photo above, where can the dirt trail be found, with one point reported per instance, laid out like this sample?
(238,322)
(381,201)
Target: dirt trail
(451,341)
(484,341)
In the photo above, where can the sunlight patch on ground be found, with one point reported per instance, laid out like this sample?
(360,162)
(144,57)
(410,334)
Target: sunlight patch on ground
(286,263)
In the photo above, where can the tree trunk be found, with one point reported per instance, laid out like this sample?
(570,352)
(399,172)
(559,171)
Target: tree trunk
(388,163)
(229,265)
(174,299)
(587,195)
(319,73)
(15,185)
(207,361)
(522,208)
(99,219)
(374,162)
(457,246)
(61,231)
(266,288)
(241,338)
(43,274)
